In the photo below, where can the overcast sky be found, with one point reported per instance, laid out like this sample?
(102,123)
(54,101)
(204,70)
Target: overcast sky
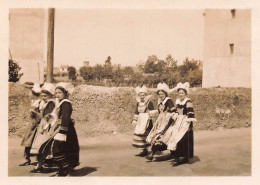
(127,35)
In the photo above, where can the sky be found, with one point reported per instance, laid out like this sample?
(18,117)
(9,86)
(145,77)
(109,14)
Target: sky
(127,35)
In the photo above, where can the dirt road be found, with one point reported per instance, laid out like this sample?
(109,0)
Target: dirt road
(217,153)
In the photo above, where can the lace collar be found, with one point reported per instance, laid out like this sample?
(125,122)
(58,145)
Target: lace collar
(62,101)
(178,101)
(164,101)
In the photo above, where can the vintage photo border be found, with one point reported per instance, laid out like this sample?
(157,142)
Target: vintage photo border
(254,5)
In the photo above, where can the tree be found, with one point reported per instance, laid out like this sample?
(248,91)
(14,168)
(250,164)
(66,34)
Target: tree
(108,68)
(118,76)
(195,77)
(171,63)
(108,61)
(150,64)
(87,73)
(13,71)
(72,73)
(128,71)
(98,72)
(160,67)
(190,72)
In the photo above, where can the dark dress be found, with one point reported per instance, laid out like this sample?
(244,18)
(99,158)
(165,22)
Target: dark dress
(65,153)
(185,147)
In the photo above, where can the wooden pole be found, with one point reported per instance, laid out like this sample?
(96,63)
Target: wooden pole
(50,45)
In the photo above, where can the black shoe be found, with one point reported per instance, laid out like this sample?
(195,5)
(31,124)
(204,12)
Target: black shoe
(143,153)
(55,175)
(149,157)
(60,174)
(37,170)
(167,157)
(74,165)
(63,172)
(26,163)
(180,161)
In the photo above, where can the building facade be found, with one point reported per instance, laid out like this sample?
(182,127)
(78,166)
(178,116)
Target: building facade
(227,48)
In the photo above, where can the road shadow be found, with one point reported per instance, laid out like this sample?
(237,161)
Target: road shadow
(168,158)
(83,171)
(194,160)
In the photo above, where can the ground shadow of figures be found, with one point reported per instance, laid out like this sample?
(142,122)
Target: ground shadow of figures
(76,172)
(164,158)
(191,160)
(194,159)
(83,171)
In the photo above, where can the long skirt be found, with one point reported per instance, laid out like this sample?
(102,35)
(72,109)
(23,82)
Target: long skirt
(63,153)
(47,128)
(159,127)
(142,129)
(185,147)
(175,132)
(30,133)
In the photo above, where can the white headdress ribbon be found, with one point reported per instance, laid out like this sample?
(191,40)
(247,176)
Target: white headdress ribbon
(142,89)
(164,87)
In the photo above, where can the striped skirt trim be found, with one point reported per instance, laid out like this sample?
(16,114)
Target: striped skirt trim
(140,141)
(141,146)
(61,160)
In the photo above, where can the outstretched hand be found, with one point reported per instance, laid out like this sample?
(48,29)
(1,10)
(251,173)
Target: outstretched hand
(134,123)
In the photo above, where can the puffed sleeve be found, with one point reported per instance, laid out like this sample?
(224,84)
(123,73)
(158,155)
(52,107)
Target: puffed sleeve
(150,106)
(171,108)
(190,111)
(49,108)
(65,115)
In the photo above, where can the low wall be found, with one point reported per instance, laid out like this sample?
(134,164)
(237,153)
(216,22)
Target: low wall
(99,110)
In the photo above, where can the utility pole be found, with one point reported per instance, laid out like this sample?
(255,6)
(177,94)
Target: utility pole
(50,45)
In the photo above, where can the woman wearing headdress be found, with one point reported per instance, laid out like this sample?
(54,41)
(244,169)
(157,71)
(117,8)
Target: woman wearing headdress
(165,119)
(142,120)
(35,118)
(47,93)
(181,139)
(64,147)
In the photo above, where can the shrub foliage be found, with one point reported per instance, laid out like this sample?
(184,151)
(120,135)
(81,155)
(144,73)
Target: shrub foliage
(150,72)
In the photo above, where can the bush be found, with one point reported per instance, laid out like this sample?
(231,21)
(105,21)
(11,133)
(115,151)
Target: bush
(13,71)
(72,73)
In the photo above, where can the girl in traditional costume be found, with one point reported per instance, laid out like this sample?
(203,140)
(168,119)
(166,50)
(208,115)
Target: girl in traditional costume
(142,120)
(64,146)
(165,119)
(47,93)
(181,139)
(31,129)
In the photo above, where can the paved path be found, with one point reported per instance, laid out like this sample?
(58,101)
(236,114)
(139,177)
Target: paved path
(217,153)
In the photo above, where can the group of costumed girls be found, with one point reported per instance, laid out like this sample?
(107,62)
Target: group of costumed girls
(173,128)
(50,135)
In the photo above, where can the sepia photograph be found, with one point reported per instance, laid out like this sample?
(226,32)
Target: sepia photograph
(129,93)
